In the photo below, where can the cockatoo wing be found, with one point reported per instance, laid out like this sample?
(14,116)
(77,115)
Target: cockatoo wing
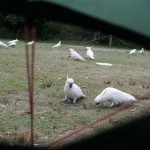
(12,44)
(133,51)
(121,97)
(76,55)
(57,45)
(77,91)
(3,44)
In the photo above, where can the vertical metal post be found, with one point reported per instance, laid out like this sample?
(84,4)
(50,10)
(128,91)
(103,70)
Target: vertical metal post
(30,75)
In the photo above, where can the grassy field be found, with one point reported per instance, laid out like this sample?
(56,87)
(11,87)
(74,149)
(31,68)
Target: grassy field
(129,73)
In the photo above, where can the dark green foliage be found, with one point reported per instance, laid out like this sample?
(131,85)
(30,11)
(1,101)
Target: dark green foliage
(57,30)
(12,20)
(11,26)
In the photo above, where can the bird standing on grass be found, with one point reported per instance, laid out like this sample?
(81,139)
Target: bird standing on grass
(72,91)
(57,45)
(133,51)
(75,55)
(141,51)
(89,53)
(30,43)
(114,96)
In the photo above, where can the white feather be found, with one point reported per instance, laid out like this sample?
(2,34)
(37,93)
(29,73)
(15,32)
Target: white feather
(75,55)
(89,53)
(72,90)
(114,96)
(57,45)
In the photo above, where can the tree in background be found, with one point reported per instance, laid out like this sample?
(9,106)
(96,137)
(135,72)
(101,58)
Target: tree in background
(11,25)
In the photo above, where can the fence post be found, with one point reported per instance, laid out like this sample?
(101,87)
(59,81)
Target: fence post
(110,40)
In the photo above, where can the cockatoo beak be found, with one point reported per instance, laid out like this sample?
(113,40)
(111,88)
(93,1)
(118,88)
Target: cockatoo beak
(70,85)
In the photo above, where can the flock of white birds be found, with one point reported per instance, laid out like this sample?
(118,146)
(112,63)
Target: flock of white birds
(75,55)
(133,51)
(74,92)
(10,43)
(13,43)
(110,94)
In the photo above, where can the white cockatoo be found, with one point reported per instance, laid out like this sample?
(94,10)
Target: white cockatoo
(114,96)
(72,91)
(14,41)
(3,44)
(57,45)
(75,55)
(89,53)
(133,51)
(12,44)
(30,43)
(141,51)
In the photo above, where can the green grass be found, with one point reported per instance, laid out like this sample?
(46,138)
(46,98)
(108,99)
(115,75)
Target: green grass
(129,73)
